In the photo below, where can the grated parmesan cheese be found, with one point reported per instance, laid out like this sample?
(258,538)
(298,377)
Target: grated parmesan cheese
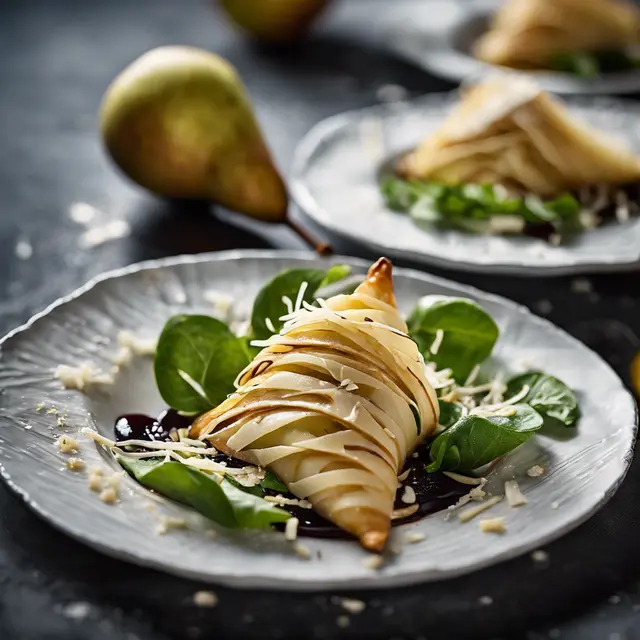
(408,495)
(464,479)
(555,504)
(472,512)
(302,551)
(291,529)
(167,523)
(67,444)
(95,481)
(109,495)
(352,605)
(414,536)
(536,471)
(540,556)
(513,494)
(123,357)
(75,464)
(138,346)
(292,502)
(82,376)
(485,600)
(205,599)
(493,525)
(437,342)
(373,562)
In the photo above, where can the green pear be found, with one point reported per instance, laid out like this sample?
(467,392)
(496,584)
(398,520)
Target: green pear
(179,122)
(276,21)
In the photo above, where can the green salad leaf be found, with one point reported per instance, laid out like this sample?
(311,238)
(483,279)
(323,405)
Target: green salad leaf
(471,206)
(592,64)
(450,413)
(469,333)
(197,361)
(476,440)
(224,503)
(550,397)
(271,481)
(268,305)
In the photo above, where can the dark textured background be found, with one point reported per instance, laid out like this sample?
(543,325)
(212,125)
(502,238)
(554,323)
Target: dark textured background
(56,59)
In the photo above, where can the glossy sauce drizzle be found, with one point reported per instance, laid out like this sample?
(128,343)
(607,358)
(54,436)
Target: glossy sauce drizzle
(433,491)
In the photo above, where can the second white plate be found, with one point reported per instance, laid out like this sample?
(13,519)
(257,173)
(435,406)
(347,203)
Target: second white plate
(336,181)
(439,37)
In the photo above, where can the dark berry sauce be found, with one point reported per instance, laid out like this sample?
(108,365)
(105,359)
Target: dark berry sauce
(137,426)
(434,491)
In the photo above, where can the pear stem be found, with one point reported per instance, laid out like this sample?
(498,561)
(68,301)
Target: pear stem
(321,247)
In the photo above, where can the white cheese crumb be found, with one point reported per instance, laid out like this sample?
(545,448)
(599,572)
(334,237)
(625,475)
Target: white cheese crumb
(123,357)
(222,303)
(82,212)
(458,477)
(614,599)
(302,550)
(109,495)
(67,444)
(408,495)
(112,230)
(167,523)
(95,481)
(81,376)
(404,475)
(581,285)
(540,556)
(513,494)
(343,621)
(352,605)
(414,536)
(75,464)
(373,562)
(205,599)
(291,529)
(536,471)
(76,610)
(24,250)
(292,502)
(437,342)
(138,346)
(485,601)
(555,504)
(493,525)
(471,513)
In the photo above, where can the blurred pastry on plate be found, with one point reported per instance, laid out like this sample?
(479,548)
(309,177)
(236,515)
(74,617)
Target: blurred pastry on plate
(510,158)
(584,37)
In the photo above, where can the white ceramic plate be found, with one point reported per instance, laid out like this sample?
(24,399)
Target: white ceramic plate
(439,37)
(336,181)
(582,472)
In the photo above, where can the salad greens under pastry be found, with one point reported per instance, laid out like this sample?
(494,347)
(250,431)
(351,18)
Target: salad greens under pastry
(325,402)
(512,159)
(585,37)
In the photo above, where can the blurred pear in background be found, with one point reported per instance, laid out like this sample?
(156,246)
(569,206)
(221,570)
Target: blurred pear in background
(274,21)
(179,122)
